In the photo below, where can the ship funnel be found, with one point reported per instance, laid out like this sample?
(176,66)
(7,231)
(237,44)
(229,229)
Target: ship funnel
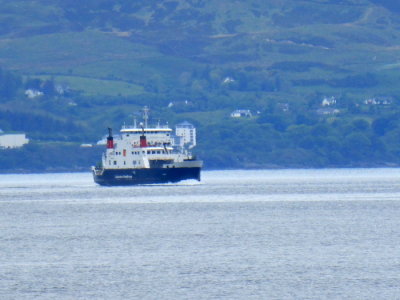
(110,139)
(143,141)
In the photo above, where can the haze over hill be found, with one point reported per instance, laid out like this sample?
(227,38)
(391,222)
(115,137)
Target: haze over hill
(208,58)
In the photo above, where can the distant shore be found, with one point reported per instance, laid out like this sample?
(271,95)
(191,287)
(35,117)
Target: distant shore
(264,167)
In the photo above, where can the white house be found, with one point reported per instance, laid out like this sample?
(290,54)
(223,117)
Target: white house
(8,141)
(239,113)
(32,93)
(228,80)
(328,101)
(187,133)
(378,101)
(86,145)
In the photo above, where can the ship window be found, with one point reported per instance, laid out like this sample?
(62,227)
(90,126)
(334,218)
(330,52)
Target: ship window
(124,162)
(109,162)
(153,152)
(115,162)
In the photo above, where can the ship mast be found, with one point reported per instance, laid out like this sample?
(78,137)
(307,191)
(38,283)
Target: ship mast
(145,115)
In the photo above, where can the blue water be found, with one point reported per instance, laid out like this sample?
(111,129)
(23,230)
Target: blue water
(290,234)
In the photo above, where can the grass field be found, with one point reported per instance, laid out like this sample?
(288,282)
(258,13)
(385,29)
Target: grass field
(97,87)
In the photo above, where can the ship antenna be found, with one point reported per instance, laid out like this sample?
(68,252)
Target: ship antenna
(141,125)
(145,115)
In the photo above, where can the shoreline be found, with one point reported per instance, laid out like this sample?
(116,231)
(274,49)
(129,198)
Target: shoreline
(265,167)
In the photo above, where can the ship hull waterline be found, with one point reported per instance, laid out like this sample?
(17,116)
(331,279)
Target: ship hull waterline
(115,177)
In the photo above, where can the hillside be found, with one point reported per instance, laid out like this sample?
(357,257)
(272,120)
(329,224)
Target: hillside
(278,58)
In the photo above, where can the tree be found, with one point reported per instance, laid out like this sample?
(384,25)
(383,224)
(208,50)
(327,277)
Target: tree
(9,84)
(357,146)
(48,88)
(381,125)
(361,124)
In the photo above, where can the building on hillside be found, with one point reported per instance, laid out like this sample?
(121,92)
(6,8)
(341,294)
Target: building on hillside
(283,107)
(86,145)
(379,101)
(240,113)
(228,80)
(32,93)
(186,134)
(10,141)
(180,103)
(328,101)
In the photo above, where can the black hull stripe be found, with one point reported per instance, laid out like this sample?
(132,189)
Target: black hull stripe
(146,176)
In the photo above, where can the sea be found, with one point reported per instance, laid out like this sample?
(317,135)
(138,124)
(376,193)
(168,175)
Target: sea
(237,234)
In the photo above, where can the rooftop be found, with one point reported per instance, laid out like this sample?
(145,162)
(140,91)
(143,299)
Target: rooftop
(184,124)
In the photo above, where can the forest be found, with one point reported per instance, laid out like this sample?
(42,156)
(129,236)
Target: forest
(342,134)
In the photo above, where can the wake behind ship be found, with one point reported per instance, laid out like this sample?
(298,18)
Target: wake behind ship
(146,155)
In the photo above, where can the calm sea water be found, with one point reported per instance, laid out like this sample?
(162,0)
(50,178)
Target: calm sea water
(291,234)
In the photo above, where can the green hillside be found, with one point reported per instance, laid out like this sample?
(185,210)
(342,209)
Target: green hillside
(279,59)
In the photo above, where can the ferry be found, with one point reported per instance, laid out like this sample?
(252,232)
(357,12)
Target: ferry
(148,155)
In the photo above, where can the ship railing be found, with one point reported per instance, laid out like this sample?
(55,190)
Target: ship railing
(181,151)
(135,127)
(149,144)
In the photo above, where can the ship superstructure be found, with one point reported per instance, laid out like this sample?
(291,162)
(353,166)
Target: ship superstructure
(142,154)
